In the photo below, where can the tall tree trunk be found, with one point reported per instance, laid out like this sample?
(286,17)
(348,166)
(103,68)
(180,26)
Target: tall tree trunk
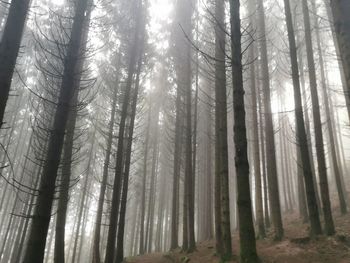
(322,169)
(307,123)
(62,206)
(41,219)
(183,35)
(96,257)
(186,78)
(120,237)
(244,203)
(300,127)
(144,181)
(271,166)
(222,213)
(176,174)
(153,188)
(263,161)
(329,119)
(9,48)
(341,20)
(256,147)
(112,230)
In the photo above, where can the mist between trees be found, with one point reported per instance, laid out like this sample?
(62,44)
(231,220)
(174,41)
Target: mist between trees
(130,127)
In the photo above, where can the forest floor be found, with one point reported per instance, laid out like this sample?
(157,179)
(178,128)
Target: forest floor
(296,247)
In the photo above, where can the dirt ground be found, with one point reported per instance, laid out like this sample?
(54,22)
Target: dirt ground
(296,247)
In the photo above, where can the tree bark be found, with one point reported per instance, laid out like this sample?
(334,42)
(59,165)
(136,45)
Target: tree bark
(222,213)
(246,227)
(9,48)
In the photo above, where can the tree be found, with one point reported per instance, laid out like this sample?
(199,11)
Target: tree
(246,228)
(120,237)
(256,145)
(96,258)
(67,157)
(222,212)
(300,128)
(117,185)
(341,20)
(42,214)
(322,170)
(336,164)
(182,60)
(9,48)
(271,166)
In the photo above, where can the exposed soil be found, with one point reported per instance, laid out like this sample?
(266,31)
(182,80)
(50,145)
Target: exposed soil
(296,247)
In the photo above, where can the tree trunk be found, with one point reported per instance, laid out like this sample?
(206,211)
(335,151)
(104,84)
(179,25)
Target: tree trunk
(9,48)
(301,189)
(112,230)
(271,166)
(144,181)
(41,219)
(96,257)
(322,169)
(300,127)
(176,175)
(244,203)
(263,161)
(222,212)
(255,130)
(331,134)
(153,188)
(307,124)
(341,20)
(120,237)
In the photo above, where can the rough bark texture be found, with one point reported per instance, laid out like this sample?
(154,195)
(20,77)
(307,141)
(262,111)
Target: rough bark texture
(246,228)
(222,213)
